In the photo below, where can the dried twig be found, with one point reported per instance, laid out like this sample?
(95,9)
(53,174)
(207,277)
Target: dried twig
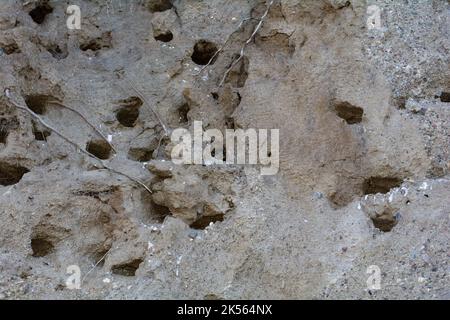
(140,95)
(241,54)
(85,119)
(95,265)
(166,129)
(51,128)
(224,45)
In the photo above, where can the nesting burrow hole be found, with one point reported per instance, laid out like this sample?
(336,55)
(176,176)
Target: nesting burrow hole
(158,213)
(11,174)
(45,237)
(128,113)
(40,12)
(159,5)
(41,246)
(163,36)
(350,113)
(38,102)
(154,212)
(127,269)
(203,222)
(183,111)
(99,148)
(203,52)
(374,185)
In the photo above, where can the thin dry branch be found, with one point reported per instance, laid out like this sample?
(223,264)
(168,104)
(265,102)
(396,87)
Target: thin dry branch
(146,103)
(85,119)
(68,140)
(224,45)
(95,265)
(241,54)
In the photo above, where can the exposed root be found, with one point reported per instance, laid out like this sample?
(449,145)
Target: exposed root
(241,24)
(85,119)
(95,265)
(140,95)
(68,140)
(250,39)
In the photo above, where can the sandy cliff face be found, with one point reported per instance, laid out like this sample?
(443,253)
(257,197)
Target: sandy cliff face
(363,179)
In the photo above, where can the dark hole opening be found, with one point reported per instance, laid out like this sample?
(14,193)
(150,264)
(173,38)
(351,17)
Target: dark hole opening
(128,116)
(375,185)
(203,52)
(127,269)
(351,114)
(37,103)
(159,212)
(11,174)
(39,13)
(99,148)
(41,246)
(204,221)
(164,36)
(183,113)
(160,5)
